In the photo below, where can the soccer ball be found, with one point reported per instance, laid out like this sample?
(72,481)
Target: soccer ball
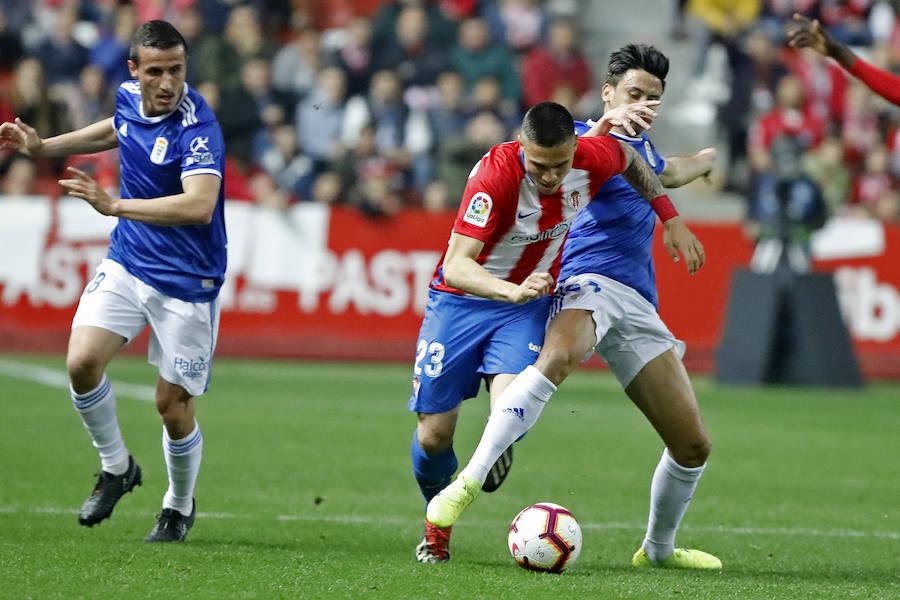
(545,537)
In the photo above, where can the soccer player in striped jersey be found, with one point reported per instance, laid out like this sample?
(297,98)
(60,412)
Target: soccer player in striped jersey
(165,266)
(489,301)
(606,302)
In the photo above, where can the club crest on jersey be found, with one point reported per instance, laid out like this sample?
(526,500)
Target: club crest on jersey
(158,154)
(479,209)
(648,151)
(575,198)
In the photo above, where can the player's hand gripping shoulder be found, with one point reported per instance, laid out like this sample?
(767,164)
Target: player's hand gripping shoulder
(20,137)
(626,117)
(678,238)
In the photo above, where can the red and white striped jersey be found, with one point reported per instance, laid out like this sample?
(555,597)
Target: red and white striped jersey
(523,231)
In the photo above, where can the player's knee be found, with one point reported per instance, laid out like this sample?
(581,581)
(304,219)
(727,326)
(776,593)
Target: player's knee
(695,453)
(434,440)
(85,371)
(557,362)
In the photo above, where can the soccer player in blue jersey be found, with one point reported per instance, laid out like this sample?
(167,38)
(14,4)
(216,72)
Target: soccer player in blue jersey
(606,301)
(165,266)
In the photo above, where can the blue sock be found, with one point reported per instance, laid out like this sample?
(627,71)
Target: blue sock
(433,473)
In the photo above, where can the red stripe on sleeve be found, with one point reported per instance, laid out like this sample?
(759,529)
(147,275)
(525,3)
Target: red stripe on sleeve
(881,82)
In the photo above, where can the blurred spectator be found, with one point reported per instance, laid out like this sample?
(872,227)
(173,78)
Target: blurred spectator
(289,167)
(458,155)
(320,117)
(20,178)
(254,107)
(874,191)
(189,24)
(558,62)
(755,69)
(518,23)
(447,115)
(92,100)
(860,125)
(825,166)
(266,192)
(61,56)
(110,53)
(441,30)
(847,20)
(486,98)
(32,102)
(790,118)
(11,48)
(370,181)
(474,56)
(220,58)
(327,188)
(296,64)
(354,55)
(413,53)
(717,21)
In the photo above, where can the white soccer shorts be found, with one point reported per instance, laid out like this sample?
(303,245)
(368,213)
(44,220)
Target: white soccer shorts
(182,334)
(629,331)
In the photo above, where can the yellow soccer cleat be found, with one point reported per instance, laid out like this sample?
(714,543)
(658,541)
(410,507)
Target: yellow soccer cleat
(445,508)
(681,558)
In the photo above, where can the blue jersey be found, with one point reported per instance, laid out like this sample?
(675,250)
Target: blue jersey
(157,153)
(613,235)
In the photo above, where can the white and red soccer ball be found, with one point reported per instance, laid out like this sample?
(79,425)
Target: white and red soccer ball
(545,537)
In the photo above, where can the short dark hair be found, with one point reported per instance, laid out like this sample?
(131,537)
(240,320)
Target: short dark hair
(637,56)
(155,34)
(548,124)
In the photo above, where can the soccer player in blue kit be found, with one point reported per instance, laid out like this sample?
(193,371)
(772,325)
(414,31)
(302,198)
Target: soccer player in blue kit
(488,303)
(606,301)
(165,266)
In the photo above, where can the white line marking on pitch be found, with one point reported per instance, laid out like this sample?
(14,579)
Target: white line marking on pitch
(59,379)
(407,521)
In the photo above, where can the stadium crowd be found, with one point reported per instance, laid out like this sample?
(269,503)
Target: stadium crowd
(387,104)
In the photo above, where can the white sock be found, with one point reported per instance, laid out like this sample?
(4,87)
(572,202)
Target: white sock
(97,409)
(182,463)
(670,493)
(514,412)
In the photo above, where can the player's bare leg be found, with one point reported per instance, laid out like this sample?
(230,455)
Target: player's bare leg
(182,443)
(90,350)
(663,392)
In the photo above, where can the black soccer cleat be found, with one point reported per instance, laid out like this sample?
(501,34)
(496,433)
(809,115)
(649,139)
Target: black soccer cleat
(100,504)
(498,472)
(171,525)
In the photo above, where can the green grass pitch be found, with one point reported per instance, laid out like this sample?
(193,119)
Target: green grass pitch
(306,491)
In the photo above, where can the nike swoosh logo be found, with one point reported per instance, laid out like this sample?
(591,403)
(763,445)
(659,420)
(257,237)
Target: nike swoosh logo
(522,215)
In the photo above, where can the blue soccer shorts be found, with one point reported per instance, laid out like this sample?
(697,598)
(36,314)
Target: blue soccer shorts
(462,339)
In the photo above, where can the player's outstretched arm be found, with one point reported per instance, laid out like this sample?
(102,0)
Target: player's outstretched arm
(681,170)
(803,33)
(676,235)
(96,137)
(462,271)
(195,206)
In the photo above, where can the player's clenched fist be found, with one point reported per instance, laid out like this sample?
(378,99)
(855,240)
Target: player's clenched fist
(534,286)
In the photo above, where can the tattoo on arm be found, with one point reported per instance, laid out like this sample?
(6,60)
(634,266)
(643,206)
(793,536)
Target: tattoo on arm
(639,174)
